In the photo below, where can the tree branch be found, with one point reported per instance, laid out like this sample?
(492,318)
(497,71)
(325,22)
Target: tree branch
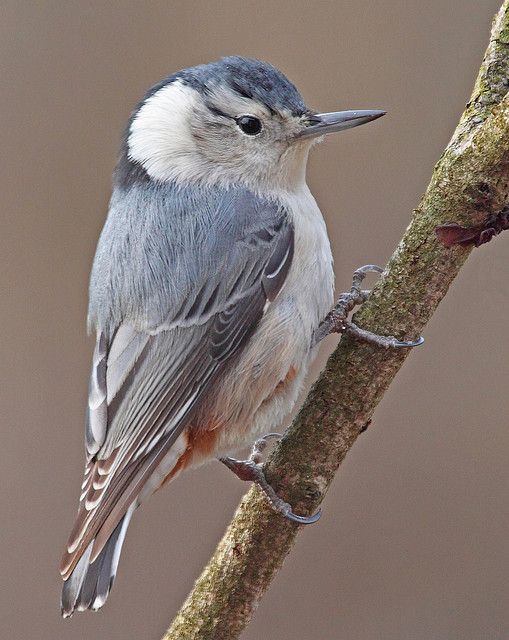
(469,184)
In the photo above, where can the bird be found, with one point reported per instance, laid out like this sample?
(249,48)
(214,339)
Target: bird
(211,277)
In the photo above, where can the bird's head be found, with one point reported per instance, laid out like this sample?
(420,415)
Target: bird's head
(233,121)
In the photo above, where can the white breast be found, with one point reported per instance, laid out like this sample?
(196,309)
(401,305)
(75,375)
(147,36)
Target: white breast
(310,282)
(307,294)
(258,393)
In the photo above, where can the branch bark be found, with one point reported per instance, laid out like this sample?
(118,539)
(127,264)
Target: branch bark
(469,183)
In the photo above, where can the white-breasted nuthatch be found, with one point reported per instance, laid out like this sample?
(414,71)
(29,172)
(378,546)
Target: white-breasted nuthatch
(209,289)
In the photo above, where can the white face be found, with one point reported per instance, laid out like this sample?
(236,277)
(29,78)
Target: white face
(177,136)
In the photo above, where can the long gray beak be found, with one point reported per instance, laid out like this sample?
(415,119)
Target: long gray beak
(322,123)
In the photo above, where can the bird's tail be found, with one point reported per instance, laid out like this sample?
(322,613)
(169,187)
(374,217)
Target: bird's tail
(89,584)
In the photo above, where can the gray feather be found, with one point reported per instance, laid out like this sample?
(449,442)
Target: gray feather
(73,584)
(90,583)
(96,424)
(125,349)
(180,281)
(279,264)
(174,256)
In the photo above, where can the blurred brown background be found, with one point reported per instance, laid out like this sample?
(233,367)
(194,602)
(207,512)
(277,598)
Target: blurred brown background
(413,541)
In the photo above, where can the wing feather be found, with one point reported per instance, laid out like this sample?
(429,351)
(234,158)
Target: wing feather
(147,382)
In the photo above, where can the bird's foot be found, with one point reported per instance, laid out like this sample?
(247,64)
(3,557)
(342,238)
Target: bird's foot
(251,470)
(336,320)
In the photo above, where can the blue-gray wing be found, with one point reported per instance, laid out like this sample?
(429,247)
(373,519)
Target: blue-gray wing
(217,270)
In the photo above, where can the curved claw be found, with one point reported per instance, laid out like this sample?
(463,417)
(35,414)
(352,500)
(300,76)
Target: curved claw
(410,343)
(387,342)
(303,519)
(251,470)
(268,436)
(370,268)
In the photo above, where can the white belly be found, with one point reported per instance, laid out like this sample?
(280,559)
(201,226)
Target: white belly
(283,339)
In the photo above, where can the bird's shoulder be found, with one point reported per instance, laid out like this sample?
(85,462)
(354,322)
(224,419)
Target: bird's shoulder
(162,242)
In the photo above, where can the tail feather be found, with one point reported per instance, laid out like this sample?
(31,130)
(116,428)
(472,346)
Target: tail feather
(72,586)
(89,584)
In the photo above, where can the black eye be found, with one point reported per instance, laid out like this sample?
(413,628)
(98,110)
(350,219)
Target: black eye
(249,125)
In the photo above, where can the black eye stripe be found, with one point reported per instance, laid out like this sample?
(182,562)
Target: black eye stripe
(249,125)
(217,111)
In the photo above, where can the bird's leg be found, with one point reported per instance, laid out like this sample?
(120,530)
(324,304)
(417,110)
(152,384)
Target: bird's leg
(336,320)
(252,471)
